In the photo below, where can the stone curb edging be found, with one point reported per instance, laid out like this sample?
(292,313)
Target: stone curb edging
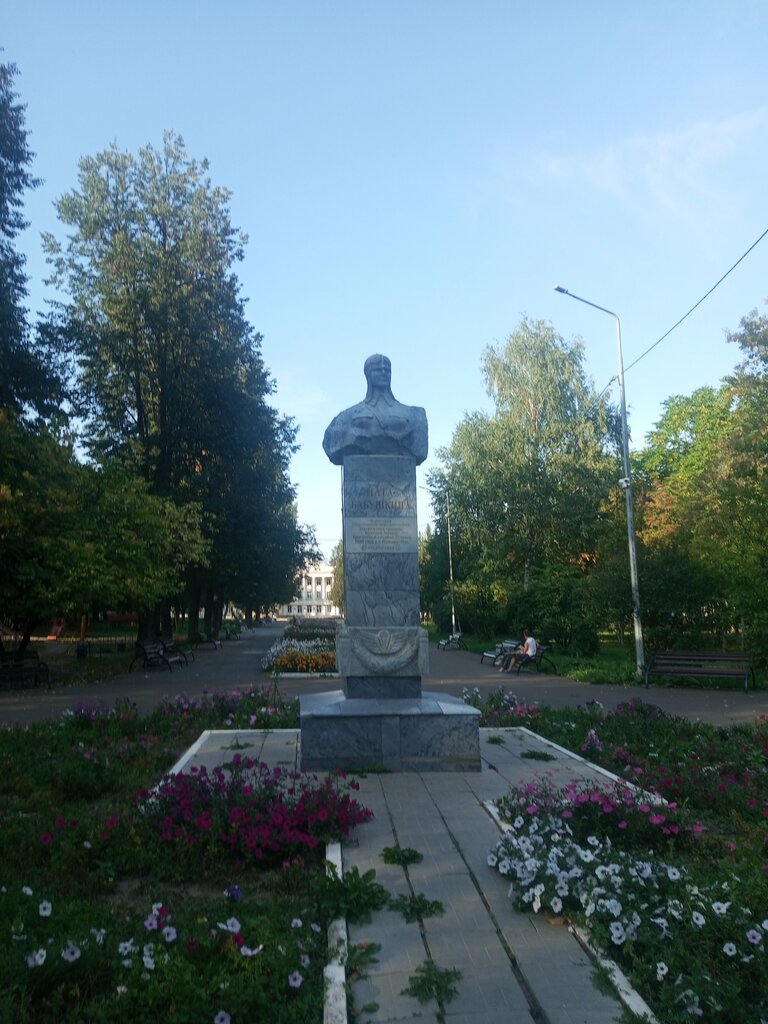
(290,676)
(626,993)
(335,1007)
(334,972)
(629,997)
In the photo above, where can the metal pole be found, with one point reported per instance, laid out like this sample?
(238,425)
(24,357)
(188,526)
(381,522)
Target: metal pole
(450,562)
(626,483)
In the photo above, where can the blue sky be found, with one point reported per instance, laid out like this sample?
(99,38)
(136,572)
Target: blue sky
(416,175)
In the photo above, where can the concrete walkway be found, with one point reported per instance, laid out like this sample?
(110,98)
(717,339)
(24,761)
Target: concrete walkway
(237,665)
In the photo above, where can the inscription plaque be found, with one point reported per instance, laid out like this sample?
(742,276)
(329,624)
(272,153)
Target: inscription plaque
(366,535)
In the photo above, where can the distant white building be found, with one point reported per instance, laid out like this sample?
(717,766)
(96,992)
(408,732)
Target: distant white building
(313,599)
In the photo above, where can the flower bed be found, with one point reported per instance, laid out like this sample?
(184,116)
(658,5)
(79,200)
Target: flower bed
(204,900)
(289,655)
(674,886)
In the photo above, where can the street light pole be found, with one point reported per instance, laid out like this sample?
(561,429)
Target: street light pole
(450,562)
(626,483)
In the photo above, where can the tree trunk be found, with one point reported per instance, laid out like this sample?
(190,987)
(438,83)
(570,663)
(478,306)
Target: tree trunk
(193,610)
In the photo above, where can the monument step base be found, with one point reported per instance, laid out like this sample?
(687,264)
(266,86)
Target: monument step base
(432,733)
(372,687)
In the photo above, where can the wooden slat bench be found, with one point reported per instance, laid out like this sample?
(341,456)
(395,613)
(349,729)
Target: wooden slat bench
(509,646)
(153,656)
(22,668)
(702,665)
(203,638)
(500,651)
(172,650)
(454,640)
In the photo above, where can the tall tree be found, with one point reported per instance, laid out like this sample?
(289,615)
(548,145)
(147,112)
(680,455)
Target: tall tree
(25,382)
(171,375)
(526,483)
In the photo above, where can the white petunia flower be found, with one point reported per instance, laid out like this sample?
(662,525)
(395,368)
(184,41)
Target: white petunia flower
(71,952)
(729,949)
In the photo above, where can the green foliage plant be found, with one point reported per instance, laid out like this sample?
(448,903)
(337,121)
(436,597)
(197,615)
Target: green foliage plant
(432,982)
(353,896)
(402,855)
(416,907)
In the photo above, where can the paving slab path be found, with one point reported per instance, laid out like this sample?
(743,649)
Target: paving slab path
(515,967)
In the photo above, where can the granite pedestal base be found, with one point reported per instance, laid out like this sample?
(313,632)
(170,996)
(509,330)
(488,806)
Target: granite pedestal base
(432,733)
(371,687)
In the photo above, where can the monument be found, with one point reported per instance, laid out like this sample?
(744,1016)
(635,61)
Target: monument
(382,718)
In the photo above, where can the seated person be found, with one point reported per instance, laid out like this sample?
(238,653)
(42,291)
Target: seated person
(525,652)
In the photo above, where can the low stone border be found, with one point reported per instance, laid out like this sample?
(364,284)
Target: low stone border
(624,990)
(629,997)
(335,1009)
(302,675)
(335,1006)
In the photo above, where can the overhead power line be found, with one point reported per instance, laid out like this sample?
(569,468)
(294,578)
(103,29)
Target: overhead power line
(703,297)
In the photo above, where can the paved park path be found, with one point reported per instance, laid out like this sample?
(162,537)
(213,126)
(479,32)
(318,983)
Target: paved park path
(238,665)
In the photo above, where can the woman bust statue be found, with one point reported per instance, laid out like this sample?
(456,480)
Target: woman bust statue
(379,425)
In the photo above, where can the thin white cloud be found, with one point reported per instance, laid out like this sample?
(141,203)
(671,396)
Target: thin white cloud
(675,171)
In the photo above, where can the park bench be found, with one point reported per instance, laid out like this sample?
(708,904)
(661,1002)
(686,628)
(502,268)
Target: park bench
(20,668)
(498,653)
(172,650)
(454,640)
(203,638)
(702,665)
(153,656)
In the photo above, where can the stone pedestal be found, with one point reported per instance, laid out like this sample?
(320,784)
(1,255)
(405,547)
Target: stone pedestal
(382,653)
(382,662)
(381,650)
(435,732)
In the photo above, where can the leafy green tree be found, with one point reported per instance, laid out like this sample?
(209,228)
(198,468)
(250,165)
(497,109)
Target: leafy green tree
(169,371)
(526,483)
(74,539)
(337,588)
(25,381)
(685,591)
